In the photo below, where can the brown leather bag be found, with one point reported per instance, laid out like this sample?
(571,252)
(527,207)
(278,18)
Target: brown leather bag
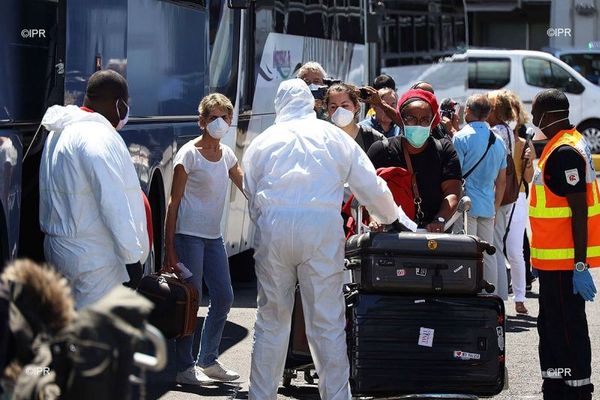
(511,192)
(175,304)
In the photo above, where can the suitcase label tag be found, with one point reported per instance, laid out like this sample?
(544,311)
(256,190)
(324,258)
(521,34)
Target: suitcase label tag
(421,271)
(426,337)
(463,355)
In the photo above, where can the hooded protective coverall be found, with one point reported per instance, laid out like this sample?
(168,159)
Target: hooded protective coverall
(91,205)
(294,178)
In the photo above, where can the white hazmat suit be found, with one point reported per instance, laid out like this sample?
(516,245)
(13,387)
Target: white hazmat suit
(91,206)
(294,175)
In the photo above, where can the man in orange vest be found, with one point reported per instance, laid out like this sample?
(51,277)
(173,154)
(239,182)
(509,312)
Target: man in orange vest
(565,223)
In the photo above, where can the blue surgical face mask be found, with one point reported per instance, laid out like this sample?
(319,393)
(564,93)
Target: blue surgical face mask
(416,135)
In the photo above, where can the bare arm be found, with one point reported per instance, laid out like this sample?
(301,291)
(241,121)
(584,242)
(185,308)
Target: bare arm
(578,204)
(500,186)
(376,100)
(177,190)
(237,177)
(451,190)
(529,156)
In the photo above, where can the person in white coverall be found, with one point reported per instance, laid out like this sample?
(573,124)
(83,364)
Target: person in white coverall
(294,179)
(91,205)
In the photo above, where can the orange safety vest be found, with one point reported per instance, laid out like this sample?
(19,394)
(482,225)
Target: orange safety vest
(552,245)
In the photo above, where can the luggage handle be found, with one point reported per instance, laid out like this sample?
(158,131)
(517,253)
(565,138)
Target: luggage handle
(159,360)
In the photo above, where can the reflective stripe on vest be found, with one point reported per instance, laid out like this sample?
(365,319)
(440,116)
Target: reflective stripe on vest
(552,245)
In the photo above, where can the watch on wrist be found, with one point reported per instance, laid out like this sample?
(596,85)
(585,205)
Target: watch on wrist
(580,266)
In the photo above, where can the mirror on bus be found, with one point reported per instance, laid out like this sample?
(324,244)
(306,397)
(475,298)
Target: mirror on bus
(239,4)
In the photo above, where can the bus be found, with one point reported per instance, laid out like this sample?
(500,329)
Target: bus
(419,41)
(173,52)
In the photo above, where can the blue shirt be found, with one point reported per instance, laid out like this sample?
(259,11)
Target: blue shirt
(371,122)
(470,143)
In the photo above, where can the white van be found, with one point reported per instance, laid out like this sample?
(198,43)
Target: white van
(527,73)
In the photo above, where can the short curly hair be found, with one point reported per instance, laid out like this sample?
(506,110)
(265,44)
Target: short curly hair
(214,100)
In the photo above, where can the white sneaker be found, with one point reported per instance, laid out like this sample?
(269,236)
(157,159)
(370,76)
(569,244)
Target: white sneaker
(193,376)
(219,373)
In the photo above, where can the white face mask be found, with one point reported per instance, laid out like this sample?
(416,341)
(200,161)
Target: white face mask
(551,123)
(218,128)
(122,121)
(342,117)
(313,87)
(512,125)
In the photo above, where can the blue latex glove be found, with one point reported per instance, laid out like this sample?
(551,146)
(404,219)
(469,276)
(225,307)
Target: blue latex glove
(584,285)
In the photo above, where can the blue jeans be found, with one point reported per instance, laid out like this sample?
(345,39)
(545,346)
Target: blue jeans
(205,258)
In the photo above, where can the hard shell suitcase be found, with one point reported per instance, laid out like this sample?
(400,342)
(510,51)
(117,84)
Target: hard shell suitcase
(402,344)
(175,304)
(409,262)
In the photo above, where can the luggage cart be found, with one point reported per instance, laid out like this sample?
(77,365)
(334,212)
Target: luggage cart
(147,362)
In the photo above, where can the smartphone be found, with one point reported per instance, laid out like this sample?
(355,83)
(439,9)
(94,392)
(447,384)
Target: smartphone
(364,94)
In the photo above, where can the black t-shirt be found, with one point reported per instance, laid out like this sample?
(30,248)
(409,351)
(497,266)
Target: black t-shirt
(430,167)
(565,171)
(366,137)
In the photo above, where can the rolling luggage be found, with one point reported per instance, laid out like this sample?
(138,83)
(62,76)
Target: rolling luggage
(402,344)
(175,304)
(298,355)
(409,262)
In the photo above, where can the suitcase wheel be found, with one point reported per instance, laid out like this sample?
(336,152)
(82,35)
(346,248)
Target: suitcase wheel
(308,377)
(288,375)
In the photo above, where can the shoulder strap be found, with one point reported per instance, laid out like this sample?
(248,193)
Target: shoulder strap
(413,177)
(491,141)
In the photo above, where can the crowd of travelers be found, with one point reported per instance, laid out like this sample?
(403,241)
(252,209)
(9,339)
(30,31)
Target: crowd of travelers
(294,175)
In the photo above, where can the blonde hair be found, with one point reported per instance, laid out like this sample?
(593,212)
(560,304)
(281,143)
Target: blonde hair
(521,115)
(311,66)
(501,105)
(213,100)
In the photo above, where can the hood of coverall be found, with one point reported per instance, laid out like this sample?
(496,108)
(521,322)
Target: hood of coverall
(58,118)
(294,101)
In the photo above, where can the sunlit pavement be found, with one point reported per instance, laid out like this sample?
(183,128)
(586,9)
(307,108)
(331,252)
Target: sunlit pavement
(521,343)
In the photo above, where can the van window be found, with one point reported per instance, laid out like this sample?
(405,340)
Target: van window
(546,74)
(488,73)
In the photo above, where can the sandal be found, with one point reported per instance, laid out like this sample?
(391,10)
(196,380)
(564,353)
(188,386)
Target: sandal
(520,308)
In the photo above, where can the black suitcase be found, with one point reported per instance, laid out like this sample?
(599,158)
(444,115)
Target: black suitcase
(418,262)
(402,344)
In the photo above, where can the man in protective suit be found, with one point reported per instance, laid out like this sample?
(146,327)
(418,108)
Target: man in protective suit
(294,179)
(91,204)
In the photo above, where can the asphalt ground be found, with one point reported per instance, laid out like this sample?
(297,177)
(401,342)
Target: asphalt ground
(521,344)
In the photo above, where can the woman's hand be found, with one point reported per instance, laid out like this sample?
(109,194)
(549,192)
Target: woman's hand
(528,157)
(171,261)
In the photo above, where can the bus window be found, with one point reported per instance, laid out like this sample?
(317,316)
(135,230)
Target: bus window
(224,34)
